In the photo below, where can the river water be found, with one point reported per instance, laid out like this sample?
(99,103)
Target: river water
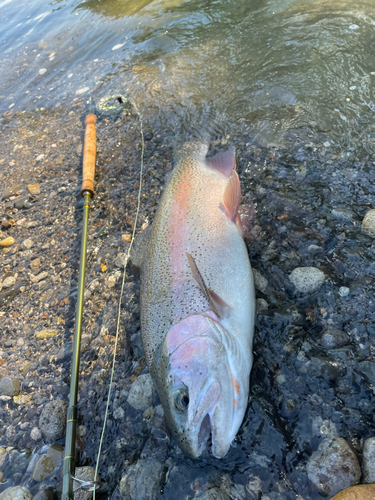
(290,83)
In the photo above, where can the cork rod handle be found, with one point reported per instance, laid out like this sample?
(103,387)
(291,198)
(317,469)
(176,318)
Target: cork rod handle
(89,155)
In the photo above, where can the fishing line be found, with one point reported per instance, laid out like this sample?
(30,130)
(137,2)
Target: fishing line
(127,256)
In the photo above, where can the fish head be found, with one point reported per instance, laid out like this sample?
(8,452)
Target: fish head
(195,385)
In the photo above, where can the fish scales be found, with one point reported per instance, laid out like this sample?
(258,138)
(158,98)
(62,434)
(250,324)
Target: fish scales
(192,220)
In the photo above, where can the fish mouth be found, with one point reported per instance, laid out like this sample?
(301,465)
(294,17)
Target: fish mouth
(204,433)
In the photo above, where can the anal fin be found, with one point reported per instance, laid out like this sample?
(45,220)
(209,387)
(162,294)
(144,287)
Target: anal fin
(218,305)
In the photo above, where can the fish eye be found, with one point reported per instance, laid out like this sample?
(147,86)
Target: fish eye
(181,400)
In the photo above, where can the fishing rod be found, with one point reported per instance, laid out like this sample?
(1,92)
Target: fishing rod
(87,193)
(107,106)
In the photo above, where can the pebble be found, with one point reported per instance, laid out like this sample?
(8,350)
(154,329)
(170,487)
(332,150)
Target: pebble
(85,474)
(23,202)
(344,291)
(333,338)
(52,420)
(39,277)
(27,244)
(82,90)
(35,264)
(46,334)
(118,46)
(215,494)
(141,480)
(261,305)
(360,492)
(40,157)
(15,493)
(369,461)
(44,494)
(120,259)
(34,188)
(9,281)
(314,249)
(260,282)
(333,467)
(43,468)
(10,386)
(368,223)
(35,434)
(42,71)
(7,242)
(140,394)
(307,279)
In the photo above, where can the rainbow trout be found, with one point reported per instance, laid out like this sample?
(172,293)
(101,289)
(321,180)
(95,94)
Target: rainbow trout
(198,301)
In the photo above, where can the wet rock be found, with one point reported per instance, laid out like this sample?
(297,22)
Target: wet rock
(368,223)
(44,494)
(23,202)
(84,474)
(333,338)
(140,394)
(42,71)
(261,305)
(333,467)
(82,90)
(27,244)
(260,281)
(141,480)
(15,493)
(10,192)
(34,188)
(7,242)
(10,386)
(360,492)
(43,468)
(39,277)
(307,279)
(52,420)
(214,494)
(369,461)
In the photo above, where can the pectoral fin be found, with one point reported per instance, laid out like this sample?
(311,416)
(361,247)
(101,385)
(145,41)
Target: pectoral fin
(218,305)
(232,197)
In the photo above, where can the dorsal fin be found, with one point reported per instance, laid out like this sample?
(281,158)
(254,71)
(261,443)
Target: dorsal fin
(218,305)
(224,162)
(232,196)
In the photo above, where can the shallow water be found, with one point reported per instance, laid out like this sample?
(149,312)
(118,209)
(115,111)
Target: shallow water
(291,85)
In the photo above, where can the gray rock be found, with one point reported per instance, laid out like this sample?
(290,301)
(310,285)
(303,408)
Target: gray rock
(52,421)
(368,369)
(333,467)
(9,281)
(261,305)
(343,214)
(85,474)
(120,259)
(368,464)
(333,338)
(368,223)
(36,434)
(260,281)
(44,494)
(140,394)
(314,249)
(344,291)
(141,480)
(10,386)
(15,493)
(307,279)
(214,494)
